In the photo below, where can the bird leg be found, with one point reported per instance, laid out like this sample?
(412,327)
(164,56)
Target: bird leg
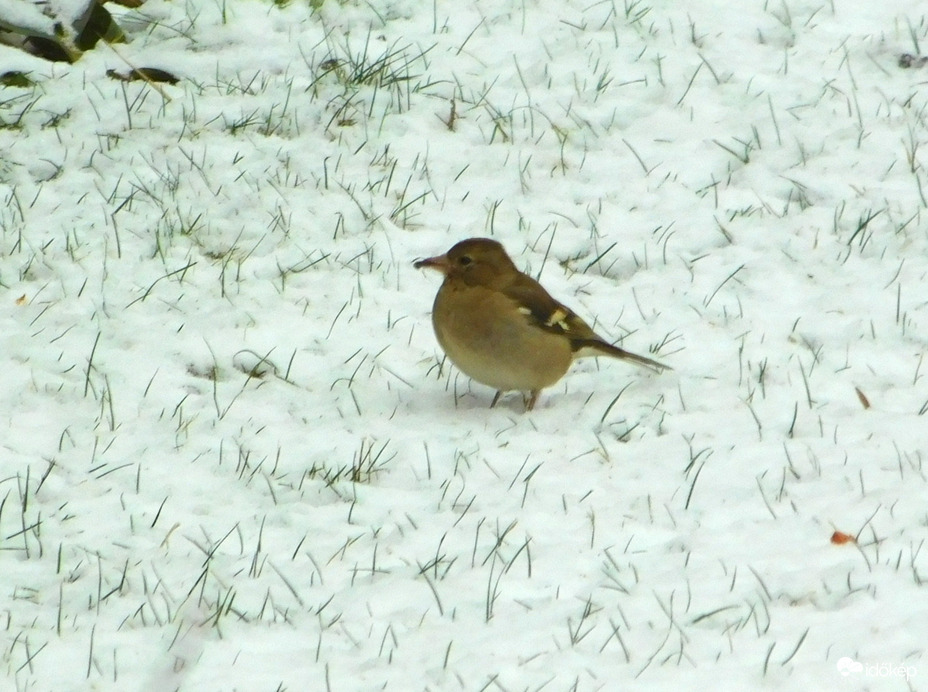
(530,404)
(499,393)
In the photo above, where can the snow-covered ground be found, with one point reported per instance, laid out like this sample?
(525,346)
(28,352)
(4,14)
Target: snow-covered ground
(229,459)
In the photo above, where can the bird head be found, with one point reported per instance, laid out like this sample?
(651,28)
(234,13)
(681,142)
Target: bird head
(475,261)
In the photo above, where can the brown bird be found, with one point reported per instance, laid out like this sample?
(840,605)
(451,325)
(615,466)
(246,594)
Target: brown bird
(502,328)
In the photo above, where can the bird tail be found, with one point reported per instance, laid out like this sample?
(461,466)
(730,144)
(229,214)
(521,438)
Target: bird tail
(594,347)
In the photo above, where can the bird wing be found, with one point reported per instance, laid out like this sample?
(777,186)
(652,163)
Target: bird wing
(544,312)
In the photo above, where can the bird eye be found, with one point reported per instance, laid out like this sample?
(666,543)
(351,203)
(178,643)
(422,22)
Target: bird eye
(464,261)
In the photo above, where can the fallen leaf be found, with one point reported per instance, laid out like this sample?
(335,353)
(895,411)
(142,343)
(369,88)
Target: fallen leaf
(863,398)
(146,74)
(840,538)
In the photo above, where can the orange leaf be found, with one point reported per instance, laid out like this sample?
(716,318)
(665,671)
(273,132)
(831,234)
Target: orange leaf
(840,538)
(21,300)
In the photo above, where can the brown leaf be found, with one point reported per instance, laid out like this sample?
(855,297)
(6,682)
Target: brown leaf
(865,402)
(146,74)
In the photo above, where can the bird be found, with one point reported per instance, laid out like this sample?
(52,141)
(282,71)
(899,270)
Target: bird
(500,326)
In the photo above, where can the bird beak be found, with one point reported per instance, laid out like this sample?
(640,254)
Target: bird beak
(438,263)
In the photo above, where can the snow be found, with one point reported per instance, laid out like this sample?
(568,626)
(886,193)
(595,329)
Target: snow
(22,14)
(231,461)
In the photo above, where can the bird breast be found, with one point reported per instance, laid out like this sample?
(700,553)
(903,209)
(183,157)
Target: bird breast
(491,341)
